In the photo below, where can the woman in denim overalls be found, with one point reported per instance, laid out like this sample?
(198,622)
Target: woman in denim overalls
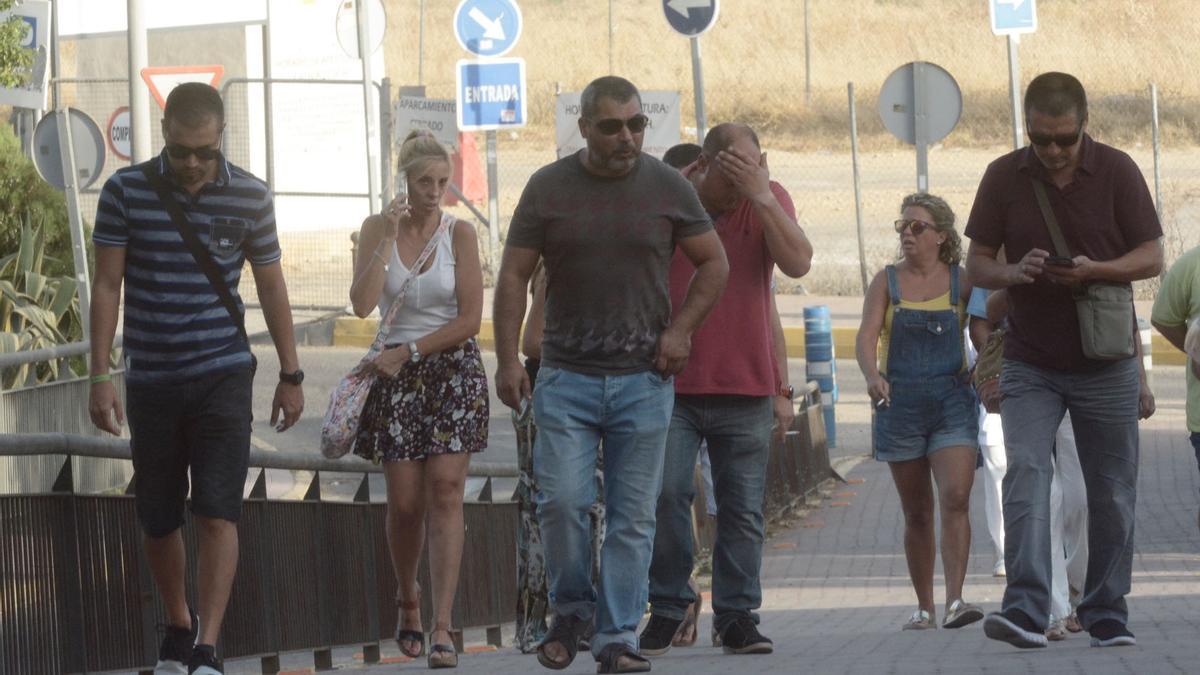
(925,420)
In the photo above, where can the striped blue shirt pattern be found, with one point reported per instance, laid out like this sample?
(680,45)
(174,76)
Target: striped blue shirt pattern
(175,326)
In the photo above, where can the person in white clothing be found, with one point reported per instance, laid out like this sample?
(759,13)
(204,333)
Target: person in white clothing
(428,408)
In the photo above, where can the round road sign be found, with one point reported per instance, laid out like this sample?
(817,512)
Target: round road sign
(119,133)
(89,149)
(920,94)
(691,17)
(487,27)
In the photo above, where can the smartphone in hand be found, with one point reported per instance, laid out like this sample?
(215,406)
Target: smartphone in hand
(1059,261)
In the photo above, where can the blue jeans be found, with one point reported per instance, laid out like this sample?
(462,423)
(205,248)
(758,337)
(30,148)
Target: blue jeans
(1103,406)
(574,412)
(738,431)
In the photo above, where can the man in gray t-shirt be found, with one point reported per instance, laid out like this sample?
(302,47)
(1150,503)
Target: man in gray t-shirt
(606,221)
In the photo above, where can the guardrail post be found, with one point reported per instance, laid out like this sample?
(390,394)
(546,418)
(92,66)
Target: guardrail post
(370,574)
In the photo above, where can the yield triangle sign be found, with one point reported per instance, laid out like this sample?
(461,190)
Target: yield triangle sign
(162,79)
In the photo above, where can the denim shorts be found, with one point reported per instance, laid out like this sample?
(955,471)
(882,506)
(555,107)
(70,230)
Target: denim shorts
(202,425)
(924,417)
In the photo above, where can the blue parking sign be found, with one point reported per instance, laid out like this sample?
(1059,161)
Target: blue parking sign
(487,27)
(1011,17)
(491,94)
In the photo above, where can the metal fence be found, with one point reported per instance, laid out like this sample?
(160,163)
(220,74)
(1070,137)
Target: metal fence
(76,594)
(779,65)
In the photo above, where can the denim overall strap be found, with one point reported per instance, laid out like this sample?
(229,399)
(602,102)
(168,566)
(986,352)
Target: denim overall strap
(925,343)
(893,285)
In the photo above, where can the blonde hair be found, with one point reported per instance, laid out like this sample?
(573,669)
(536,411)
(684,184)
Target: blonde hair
(419,150)
(950,251)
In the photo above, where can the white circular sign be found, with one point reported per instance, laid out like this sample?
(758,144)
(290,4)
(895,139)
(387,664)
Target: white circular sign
(347,26)
(118,133)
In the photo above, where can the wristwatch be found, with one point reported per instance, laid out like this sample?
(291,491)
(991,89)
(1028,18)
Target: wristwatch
(787,391)
(414,354)
(292,378)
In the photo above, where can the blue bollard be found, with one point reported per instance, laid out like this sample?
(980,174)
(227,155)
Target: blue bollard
(821,363)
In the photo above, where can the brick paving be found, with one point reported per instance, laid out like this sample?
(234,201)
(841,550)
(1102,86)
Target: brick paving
(836,586)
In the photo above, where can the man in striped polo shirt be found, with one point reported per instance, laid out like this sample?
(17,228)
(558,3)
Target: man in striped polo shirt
(188,368)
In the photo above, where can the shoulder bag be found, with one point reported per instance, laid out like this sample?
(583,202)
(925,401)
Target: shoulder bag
(340,426)
(1104,308)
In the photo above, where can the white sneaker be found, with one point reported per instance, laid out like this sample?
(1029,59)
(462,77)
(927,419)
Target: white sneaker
(998,569)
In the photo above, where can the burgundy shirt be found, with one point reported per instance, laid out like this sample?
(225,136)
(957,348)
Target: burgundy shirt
(733,351)
(1105,212)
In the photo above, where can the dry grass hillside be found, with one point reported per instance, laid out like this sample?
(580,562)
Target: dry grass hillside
(755,71)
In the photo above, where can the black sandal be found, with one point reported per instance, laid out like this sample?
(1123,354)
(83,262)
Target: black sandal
(403,635)
(565,631)
(609,659)
(438,649)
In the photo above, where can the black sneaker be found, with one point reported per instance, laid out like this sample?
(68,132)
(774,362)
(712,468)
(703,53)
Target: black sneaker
(742,637)
(1111,633)
(176,648)
(656,637)
(1015,628)
(204,661)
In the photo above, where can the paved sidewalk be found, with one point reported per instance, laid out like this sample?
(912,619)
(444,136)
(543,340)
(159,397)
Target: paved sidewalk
(837,589)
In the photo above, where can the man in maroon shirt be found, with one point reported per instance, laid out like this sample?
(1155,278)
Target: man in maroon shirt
(1108,220)
(727,395)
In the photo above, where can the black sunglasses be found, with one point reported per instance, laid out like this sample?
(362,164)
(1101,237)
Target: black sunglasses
(177,151)
(1061,140)
(916,226)
(612,126)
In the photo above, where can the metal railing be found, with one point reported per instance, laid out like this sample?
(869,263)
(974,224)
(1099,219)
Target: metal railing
(76,593)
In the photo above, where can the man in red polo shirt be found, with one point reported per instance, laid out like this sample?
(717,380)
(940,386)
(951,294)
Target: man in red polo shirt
(727,395)
(1108,221)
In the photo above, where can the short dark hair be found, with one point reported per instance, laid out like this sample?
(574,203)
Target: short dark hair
(192,103)
(1056,94)
(612,87)
(679,156)
(719,137)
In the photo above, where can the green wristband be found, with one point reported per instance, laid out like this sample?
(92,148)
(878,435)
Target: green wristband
(97,379)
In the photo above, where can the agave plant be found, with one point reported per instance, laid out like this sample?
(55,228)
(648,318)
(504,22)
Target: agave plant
(36,310)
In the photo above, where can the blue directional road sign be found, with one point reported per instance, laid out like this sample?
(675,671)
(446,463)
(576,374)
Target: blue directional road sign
(491,94)
(691,17)
(487,27)
(1010,17)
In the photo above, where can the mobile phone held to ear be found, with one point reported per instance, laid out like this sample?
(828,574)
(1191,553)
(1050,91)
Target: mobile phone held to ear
(1059,261)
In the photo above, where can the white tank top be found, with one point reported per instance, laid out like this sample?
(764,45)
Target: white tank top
(430,302)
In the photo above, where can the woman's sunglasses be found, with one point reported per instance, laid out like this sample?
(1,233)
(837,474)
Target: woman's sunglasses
(612,126)
(177,151)
(915,226)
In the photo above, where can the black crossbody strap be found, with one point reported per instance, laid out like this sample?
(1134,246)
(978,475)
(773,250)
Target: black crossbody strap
(1056,235)
(197,249)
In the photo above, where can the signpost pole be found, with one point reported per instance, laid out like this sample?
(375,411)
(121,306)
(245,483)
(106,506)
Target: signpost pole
(862,250)
(370,113)
(493,202)
(1014,90)
(920,126)
(807,59)
(139,96)
(66,148)
(698,88)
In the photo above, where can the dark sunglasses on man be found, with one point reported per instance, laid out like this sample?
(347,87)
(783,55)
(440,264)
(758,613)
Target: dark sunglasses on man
(612,126)
(204,154)
(1061,140)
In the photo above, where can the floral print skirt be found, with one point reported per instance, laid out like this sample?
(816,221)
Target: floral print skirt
(437,406)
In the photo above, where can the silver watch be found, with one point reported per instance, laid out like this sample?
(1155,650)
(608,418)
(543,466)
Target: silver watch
(414,354)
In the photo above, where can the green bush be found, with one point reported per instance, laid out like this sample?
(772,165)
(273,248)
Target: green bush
(37,310)
(26,198)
